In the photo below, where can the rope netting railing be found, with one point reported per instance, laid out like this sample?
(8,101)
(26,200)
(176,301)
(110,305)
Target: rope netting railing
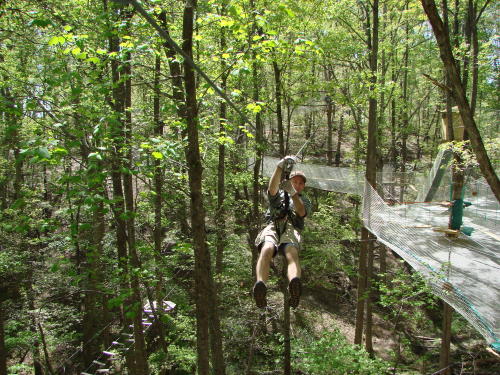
(463,271)
(458,270)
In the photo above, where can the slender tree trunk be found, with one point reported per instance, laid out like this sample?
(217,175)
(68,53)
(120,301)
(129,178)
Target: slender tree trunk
(139,343)
(287,367)
(99,225)
(357,139)
(279,115)
(360,306)
(329,122)
(37,363)
(394,152)
(158,206)
(339,140)
(91,240)
(458,91)
(369,297)
(221,168)
(3,351)
(475,64)
(468,40)
(444,355)
(371,159)
(404,116)
(259,141)
(117,135)
(203,285)
(179,98)
(48,364)
(158,181)
(371,154)
(219,367)
(289,112)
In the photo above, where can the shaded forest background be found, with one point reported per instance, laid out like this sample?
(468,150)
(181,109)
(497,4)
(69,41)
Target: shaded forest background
(125,178)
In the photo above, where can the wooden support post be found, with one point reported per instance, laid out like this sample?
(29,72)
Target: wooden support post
(360,308)
(369,294)
(444,356)
(287,368)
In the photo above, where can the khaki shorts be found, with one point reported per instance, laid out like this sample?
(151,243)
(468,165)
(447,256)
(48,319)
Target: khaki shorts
(291,236)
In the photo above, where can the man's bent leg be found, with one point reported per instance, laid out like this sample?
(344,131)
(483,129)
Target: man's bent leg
(294,272)
(264,261)
(292,258)
(262,273)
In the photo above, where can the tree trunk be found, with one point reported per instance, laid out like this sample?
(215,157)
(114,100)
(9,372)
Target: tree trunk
(221,167)
(3,351)
(158,180)
(357,139)
(394,152)
(117,135)
(139,344)
(369,294)
(469,19)
(254,221)
(203,285)
(458,91)
(475,64)
(289,112)
(219,367)
(360,306)
(329,121)
(179,99)
(444,355)
(158,206)
(279,115)
(371,160)
(287,367)
(405,123)
(339,140)
(371,154)
(91,239)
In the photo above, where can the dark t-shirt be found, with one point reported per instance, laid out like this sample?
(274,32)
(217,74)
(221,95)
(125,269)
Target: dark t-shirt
(277,205)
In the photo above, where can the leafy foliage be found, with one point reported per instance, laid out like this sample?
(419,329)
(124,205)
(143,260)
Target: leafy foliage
(332,355)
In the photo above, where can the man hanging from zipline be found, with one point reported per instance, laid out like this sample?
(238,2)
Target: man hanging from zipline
(285,220)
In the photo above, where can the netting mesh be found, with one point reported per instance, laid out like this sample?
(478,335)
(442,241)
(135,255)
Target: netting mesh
(463,271)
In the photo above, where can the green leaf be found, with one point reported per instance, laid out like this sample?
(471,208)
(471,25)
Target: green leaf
(95,156)
(60,151)
(130,314)
(255,108)
(226,22)
(42,153)
(40,23)
(19,203)
(157,155)
(55,40)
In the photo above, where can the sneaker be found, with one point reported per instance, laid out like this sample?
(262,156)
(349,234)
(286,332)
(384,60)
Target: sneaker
(259,294)
(295,290)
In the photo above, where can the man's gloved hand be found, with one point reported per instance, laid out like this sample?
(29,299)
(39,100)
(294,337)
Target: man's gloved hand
(288,187)
(286,164)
